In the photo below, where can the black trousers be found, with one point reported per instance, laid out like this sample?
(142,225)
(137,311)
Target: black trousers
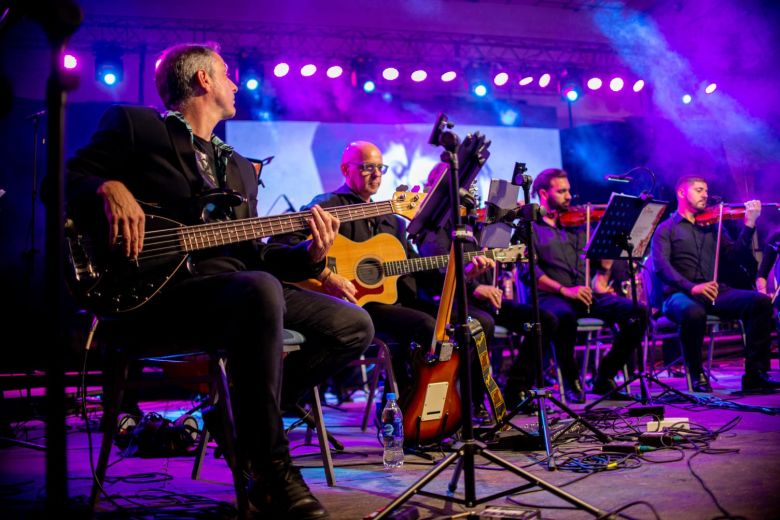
(752,307)
(399,327)
(243,313)
(607,307)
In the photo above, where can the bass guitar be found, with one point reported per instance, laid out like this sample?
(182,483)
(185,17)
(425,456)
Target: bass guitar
(374,266)
(105,281)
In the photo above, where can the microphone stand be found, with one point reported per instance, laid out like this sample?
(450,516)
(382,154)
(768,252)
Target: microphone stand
(466,450)
(530,213)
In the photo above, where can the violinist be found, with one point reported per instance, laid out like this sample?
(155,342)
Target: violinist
(565,289)
(685,257)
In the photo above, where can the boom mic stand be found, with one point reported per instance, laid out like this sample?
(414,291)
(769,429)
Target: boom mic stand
(529,214)
(469,447)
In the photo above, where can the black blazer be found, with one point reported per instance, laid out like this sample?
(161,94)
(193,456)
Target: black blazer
(155,159)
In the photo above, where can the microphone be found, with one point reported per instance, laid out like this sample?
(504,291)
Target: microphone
(290,206)
(619,178)
(35,115)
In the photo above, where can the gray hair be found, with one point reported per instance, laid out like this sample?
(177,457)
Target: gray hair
(175,77)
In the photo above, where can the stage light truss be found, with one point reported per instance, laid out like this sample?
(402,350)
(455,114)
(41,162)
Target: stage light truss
(401,47)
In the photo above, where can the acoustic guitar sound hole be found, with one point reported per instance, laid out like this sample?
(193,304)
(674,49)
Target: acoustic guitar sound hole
(369,271)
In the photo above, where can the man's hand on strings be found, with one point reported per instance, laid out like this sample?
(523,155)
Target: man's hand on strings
(338,286)
(324,228)
(478,265)
(125,217)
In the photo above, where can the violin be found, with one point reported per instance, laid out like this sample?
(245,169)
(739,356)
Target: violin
(577,216)
(711,214)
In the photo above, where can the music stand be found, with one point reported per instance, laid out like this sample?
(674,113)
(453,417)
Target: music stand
(465,450)
(528,214)
(624,232)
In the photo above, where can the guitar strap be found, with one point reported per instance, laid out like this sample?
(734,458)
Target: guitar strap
(495,396)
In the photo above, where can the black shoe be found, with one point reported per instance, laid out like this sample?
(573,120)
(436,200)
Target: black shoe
(702,384)
(758,382)
(282,493)
(574,392)
(607,386)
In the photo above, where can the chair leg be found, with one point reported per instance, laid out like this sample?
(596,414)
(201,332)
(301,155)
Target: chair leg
(231,453)
(586,358)
(370,394)
(322,436)
(120,369)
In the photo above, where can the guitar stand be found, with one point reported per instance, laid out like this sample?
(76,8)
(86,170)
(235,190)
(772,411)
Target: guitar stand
(466,450)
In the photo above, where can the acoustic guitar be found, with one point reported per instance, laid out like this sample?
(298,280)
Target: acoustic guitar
(374,266)
(105,281)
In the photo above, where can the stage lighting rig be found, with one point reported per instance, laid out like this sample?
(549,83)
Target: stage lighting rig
(108,64)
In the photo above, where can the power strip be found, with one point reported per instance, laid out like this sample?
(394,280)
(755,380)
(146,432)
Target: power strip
(668,423)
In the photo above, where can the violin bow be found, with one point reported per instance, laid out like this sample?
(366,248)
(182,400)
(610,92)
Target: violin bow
(717,245)
(587,239)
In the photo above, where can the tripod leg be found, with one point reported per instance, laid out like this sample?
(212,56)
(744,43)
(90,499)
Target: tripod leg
(603,437)
(492,457)
(544,433)
(455,476)
(411,491)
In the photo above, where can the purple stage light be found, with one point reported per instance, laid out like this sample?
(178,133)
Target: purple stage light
(595,83)
(639,85)
(369,86)
(526,81)
(480,90)
(281,70)
(334,72)
(572,95)
(710,88)
(544,80)
(686,99)
(616,84)
(308,70)
(69,61)
(419,75)
(252,84)
(390,73)
(449,76)
(500,79)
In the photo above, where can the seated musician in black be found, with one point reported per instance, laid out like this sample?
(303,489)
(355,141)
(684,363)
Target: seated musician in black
(227,297)
(486,305)
(683,257)
(396,323)
(563,290)
(400,324)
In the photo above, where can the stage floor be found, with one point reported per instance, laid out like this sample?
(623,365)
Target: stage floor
(740,467)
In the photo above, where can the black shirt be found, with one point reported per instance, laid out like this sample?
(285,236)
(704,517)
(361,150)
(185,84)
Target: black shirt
(559,253)
(683,254)
(769,256)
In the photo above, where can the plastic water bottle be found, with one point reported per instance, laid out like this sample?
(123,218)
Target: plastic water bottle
(392,434)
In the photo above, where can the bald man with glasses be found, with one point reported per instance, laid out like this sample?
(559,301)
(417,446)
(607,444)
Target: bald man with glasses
(401,323)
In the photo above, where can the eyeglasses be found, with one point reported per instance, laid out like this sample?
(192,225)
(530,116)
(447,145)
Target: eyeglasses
(370,169)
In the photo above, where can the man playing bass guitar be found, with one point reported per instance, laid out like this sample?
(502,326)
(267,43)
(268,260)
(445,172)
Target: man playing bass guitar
(229,297)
